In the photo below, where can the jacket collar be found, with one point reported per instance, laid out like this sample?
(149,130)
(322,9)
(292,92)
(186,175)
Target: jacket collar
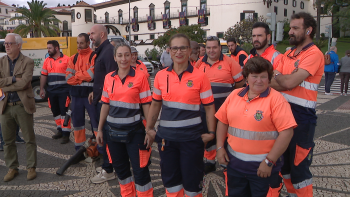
(238,49)
(189,68)
(100,48)
(261,95)
(205,58)
(131,72)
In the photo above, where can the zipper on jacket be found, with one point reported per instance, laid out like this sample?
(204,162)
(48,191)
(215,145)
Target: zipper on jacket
(167,84)
(205,68)
(113,86)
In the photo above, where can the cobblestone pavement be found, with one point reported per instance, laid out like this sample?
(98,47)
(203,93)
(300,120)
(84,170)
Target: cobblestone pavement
(330,164)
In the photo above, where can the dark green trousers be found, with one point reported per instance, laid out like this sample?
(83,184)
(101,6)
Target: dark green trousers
(13,116)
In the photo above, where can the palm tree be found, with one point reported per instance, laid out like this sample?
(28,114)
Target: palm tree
(40,20)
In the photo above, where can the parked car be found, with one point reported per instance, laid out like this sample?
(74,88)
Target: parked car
(150,67)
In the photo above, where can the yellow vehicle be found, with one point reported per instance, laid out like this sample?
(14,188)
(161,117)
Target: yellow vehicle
(36,48)
(224,47)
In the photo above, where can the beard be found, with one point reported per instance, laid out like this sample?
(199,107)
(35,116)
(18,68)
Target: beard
(262,45)
(294,40)
(51,54)
(97,43)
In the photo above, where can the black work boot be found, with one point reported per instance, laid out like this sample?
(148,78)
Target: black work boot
(65,140)
(57,135)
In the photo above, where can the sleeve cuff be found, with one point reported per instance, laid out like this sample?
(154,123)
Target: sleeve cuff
(208,104)
(156,100)
(146,103)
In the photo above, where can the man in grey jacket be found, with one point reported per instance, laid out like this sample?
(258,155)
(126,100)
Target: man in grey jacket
(165,59)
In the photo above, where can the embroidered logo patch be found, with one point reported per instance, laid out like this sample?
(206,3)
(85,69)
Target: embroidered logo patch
(296,63)
(258,115)
(141,68)
(219,67)
(130,84)
(60,61)
(189,83)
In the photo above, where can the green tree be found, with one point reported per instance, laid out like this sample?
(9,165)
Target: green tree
(3,33)
(194,32)
(40,20)
(242,30)
(153,54)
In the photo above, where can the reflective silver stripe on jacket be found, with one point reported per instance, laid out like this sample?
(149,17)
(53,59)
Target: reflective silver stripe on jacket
(286,176)
(156,91)
(303,184)
(180,123)
(275,54)
(91,74)
(70,70)
(57,83)
(87,84)
(43,70)
(145,94)
(299,101)
(246,157)
(222,95)
(124,104)
(309,86)
(126,181)
(144,188)
(174,189)
(220,84)
(206,94)
(253,135)
(128,120)
(69,76)
(57,74)
(105,94)
(237,76)
(183,106)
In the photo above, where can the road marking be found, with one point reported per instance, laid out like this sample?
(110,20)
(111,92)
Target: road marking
(335,132)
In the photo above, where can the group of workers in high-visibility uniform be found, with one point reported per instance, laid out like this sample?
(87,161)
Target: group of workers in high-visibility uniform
(240,111)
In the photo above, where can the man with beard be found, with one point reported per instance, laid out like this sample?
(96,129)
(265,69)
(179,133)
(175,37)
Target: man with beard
(261,37)
(54,72)
(104,64)
(237,53)
(80,75)
(224,75)
(297,78)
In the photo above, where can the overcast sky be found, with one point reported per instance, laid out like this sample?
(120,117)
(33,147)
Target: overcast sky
(50,3)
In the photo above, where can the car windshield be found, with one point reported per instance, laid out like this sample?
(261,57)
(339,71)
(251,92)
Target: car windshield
(142,59)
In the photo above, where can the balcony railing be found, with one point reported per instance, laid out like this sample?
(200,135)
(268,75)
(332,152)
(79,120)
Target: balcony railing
(173,15)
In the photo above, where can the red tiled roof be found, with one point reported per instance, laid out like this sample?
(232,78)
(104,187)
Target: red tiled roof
(1,3)
(82,4)
(60,7)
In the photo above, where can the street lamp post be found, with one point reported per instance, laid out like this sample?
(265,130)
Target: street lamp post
(129,25)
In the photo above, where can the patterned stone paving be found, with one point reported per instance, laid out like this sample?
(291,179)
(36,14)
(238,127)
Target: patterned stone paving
(330,166)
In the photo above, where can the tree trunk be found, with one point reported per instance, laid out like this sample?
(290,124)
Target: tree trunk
(318,5)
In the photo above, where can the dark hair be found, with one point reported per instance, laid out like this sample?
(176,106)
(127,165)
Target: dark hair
(257,65)
(85,36)
(231,40)
(347,52)
(263,25)
(121,44)
(201,45)
(54,43)
(309,21)
(180,36)
(213,38)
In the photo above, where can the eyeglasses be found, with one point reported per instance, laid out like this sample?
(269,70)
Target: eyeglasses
(182,49)
(9,43)
(212,38)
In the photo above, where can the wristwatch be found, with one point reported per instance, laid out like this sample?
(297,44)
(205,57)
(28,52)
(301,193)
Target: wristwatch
(270,164)
(276,75)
